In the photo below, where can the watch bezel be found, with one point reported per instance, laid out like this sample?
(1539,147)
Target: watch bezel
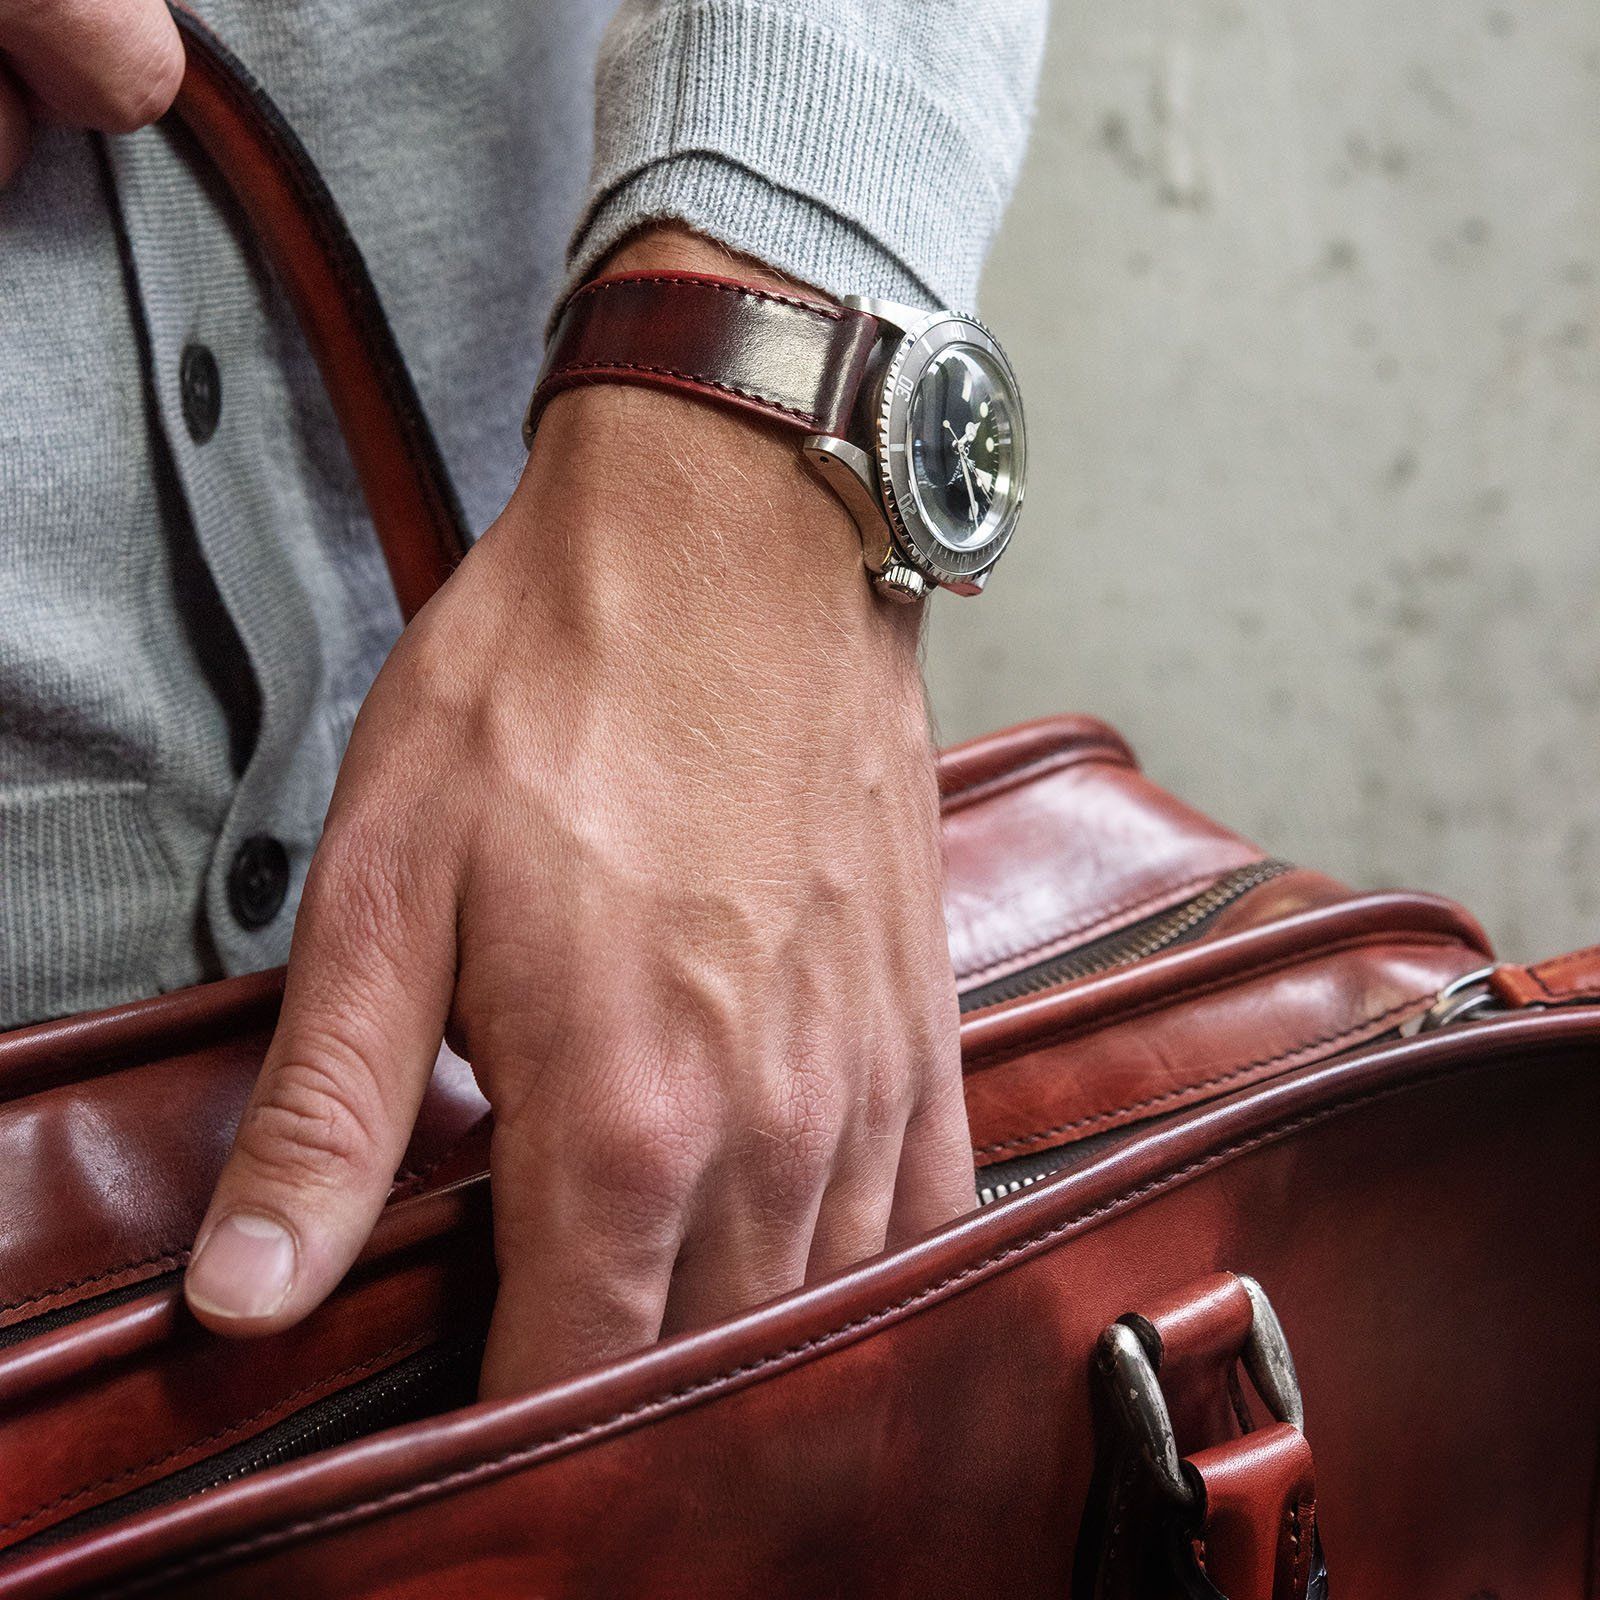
(961,570)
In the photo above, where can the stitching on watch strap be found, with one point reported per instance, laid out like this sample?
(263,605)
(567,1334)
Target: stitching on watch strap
(597,371)
(719,286)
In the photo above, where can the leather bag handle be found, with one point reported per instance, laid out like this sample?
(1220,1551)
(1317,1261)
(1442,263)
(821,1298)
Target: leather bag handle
(294,219)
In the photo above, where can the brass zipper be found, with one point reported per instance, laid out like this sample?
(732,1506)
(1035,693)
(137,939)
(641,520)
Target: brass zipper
(1466,999)
(1137,942)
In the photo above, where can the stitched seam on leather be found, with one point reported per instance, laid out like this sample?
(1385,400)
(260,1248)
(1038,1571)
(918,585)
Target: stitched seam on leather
(1203,1084)
(591,369)
(687,280)
(176,1255)
(1175,892)
(1049,1038)
(529,1454)
(1557,964)
(172,1256)
(406,1183)
(85,1491)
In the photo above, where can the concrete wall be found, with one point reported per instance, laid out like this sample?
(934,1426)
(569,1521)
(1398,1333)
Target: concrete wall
(1306,301)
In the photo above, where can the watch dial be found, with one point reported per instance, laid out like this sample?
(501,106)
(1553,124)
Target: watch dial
(960,435)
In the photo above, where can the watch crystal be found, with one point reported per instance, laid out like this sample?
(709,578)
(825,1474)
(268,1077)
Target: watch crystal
(960,439)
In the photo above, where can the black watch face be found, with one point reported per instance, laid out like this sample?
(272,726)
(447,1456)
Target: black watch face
(961,428)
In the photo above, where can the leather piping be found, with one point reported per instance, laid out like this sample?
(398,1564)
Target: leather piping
(406,1186)
(144,1471)
(1092,927)
(1096,1119)
(1005,1031)
(678,1398)
(1071,753)
(166,1260)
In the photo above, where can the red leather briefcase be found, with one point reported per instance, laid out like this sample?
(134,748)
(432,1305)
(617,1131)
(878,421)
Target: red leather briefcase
(1284,1260)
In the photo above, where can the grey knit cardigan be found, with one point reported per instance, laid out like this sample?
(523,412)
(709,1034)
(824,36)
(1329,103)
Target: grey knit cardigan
(191,600)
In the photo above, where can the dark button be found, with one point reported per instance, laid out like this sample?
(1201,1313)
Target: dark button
(200,385)
(258,881)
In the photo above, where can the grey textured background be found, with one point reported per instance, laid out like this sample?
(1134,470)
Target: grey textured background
(1306,301)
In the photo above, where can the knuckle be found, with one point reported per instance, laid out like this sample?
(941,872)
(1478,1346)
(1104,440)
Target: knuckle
(645,1165)
(316,1120)
(356,883)
(886,1103)
(792,1150)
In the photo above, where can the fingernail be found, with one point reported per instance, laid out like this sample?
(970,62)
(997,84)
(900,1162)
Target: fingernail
(244,1269)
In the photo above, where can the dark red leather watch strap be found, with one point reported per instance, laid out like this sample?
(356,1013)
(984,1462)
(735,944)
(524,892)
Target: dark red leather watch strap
(795,361)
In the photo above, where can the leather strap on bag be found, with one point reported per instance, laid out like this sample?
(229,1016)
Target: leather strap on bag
(794,361)
(1567,980)
(291,214)
(1192,1499)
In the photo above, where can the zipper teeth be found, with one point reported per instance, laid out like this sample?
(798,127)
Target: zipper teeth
(346,1416)
(1001,1191)
(1127,945)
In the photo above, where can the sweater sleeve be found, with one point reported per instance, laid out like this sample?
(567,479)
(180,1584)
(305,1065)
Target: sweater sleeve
(863,146)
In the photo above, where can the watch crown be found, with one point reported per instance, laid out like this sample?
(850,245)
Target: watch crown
(900,583)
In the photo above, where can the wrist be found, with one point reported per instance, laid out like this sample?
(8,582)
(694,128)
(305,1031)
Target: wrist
(671,247)
(643,511)
(688,511)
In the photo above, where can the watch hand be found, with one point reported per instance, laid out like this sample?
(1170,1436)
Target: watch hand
(961,442)
(972,494)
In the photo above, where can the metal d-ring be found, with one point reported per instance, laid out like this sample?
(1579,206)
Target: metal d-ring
(1135,1389)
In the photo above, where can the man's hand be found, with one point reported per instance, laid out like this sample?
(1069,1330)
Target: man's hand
(108,64)
(642,810)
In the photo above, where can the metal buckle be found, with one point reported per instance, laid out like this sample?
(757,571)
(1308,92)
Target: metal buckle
(1464,999)
(1135,1390)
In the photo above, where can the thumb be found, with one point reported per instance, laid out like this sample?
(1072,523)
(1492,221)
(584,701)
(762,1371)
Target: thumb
(108,64)
(368,989)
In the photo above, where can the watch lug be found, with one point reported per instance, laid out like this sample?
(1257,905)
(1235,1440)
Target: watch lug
(972,585)
(848,470)
(902,319)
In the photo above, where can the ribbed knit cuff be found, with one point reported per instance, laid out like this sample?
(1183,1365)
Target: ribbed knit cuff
(748,213)
(783,138)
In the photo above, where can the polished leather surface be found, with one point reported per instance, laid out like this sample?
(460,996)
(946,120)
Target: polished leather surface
(85,1104)
(1572,979)
(1205,1020)
(794,361)
(1095,848)
(139,1391)
(1259,1530)
(922,1424)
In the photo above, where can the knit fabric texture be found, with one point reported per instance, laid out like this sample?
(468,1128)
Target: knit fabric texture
(190,617)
